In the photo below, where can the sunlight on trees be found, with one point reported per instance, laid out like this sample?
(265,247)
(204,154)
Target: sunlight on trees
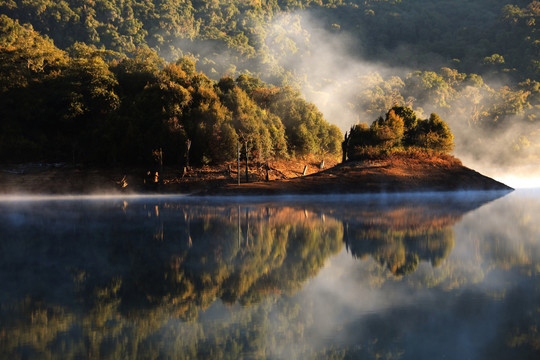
(400,130)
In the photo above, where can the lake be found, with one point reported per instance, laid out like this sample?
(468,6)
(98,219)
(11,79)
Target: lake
(431,276)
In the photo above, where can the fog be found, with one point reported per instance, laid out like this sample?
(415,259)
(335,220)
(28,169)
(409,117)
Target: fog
(22,197)
(459,309)
(330,76)
(340,83)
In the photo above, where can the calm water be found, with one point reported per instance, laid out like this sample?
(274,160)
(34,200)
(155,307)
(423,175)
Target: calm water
(453,276)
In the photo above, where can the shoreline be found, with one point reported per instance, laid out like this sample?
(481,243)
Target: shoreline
(396,174)
(390,197)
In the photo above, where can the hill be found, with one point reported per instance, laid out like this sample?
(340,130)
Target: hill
(351,59)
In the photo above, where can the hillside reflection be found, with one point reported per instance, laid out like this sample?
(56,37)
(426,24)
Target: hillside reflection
(403,231)
(119,279)
(182,255)
(480,302)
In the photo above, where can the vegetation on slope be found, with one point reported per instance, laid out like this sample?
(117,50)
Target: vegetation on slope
(244,27)
(473,63)
(93,106)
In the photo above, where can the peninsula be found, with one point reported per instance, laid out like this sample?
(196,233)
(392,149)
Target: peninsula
(396,173)
(393,174)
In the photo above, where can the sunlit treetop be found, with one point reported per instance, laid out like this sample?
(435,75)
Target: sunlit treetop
(400,129)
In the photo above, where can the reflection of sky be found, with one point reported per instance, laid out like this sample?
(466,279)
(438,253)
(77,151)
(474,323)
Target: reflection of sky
(459,310)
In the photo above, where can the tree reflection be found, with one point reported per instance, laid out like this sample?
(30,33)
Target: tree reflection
(403,231)
(400,246)
(232,254)
(147,279)
(133,268)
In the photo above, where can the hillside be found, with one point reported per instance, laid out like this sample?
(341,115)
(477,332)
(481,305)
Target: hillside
(105,72)
(245,32)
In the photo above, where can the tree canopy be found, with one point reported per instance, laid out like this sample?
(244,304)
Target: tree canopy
(485,89)
(243,28)
(400,130)
(94,106)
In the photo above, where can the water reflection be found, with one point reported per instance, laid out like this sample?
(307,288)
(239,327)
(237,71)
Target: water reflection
(153,278)
(183,254)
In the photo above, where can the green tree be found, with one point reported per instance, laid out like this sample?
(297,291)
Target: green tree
(249,83)
(90,100)
(439,138)
(26,56)
(305,127)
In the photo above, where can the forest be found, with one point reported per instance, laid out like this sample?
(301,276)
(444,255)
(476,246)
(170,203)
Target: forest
(492,35)
(88,105)
(473,63)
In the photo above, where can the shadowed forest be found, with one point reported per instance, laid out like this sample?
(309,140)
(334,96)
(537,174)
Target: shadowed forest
(84,109)
(108,82)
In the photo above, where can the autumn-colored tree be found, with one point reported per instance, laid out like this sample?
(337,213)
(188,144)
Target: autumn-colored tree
(25,55)
(388,133)
(435,135)
(402,130)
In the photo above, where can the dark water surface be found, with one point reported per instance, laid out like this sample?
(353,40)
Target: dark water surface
(451,276)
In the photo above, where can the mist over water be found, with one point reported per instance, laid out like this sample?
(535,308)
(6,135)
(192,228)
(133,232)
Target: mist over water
(469,306)
(451,275)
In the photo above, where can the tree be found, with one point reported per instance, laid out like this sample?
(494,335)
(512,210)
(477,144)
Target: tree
(388,133)
(305,127)
(134,73)
(409,121)
(439,138)
(395,133)
(249,83)
(25,55)
(90,100)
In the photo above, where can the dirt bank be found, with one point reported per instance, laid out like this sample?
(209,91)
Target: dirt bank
(394,174)
(37,178)
(397,173)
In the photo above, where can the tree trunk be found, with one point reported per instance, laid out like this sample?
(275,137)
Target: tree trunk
(238,161)
(247,162)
